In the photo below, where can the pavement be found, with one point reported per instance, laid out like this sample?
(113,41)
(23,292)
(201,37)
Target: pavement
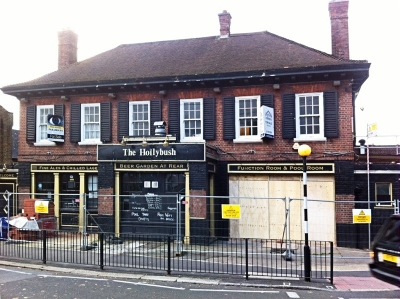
(351,273)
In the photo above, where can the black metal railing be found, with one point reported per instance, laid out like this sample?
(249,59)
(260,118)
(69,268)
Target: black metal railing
(232,256)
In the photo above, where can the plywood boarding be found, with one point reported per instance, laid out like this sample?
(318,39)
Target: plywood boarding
(263,210)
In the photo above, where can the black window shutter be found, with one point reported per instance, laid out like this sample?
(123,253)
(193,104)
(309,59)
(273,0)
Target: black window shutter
(155,114)
(229,118)
(123,120)
(209,118)
(105,122)
(267,100)
(331,117)
(31,123)
(75,124)
(59,109)
(289,115)
(174,118)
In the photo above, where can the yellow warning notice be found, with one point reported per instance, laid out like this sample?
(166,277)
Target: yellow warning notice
(361,215)
(41,206)
(230,211)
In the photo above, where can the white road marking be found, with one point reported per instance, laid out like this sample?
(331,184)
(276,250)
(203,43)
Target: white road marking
(19,272)
(73,277)
(232,291)
(149,285)
(292,295)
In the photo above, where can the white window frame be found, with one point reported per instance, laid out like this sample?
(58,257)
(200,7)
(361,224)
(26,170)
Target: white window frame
(42,141)
(385,203)
(248,138)
(311,137)
(131,121)
(199,137)
(89,141)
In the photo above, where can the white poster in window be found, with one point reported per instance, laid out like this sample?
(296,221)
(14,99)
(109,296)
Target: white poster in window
(147,184)
(266,120)
(154,184)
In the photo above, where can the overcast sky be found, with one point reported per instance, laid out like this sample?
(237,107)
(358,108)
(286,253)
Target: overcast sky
(29,45)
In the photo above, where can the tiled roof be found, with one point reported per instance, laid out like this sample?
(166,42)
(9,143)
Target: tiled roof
(196,57)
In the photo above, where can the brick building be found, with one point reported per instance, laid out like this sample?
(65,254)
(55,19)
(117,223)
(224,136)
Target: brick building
(376,166)
(204,117)
(8,175)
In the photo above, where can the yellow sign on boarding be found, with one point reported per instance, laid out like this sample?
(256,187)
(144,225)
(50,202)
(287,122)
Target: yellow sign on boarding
(230,211)
(41,206)
(361,215)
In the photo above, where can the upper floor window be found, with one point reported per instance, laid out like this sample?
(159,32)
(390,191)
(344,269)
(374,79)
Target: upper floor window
(90,123)
(191,112)
(246,118)
(139,115)
(41,120)
(309,116)
(383,193)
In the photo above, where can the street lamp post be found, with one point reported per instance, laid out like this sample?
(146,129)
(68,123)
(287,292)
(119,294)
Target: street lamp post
(304,151)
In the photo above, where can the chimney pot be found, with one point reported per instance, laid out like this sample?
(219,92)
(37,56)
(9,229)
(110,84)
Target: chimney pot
(224,24)
(67,48)
(338,11)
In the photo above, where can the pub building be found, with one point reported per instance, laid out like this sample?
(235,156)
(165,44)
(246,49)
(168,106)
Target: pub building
(169,131)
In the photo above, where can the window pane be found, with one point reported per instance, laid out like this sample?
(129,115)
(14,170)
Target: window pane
(309,115)
(248,119)
(383,192)
(192,118)
(140,119)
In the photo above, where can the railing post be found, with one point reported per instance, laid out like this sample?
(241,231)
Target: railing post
(101,241)
(331,278)
(169,256)
(44,257)
(247,258)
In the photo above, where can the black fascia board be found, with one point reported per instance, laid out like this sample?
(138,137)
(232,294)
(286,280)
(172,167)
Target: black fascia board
(356,68)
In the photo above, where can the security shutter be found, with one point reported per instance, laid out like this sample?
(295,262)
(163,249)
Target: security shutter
(123,120)
(331,116)
(31,123)
(155,114)
(289,115)
(229,118)
(105,122)
(174,118)
(75,124)
(209,118)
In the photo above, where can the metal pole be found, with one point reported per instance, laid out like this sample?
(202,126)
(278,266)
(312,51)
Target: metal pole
(369,199)
(8,215)
(307,253)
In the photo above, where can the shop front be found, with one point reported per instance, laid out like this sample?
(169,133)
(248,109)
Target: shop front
(152,185)
(74,190)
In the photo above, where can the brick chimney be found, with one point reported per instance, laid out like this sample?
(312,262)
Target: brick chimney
(67,48)
(224,24)
(338,11)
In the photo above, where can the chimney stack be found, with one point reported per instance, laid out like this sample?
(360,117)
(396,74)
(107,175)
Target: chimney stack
(224,24)
(67,48)
(338,11)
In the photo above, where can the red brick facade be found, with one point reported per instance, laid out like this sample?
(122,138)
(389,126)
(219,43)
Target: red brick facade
(6,123)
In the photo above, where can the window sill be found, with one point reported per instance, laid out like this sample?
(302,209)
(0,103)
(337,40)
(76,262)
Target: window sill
(44,143)
(247,140)
(305,139)
(92,142)
(189,140)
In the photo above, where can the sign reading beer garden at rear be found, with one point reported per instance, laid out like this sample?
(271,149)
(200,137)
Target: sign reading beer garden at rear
(281,168)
